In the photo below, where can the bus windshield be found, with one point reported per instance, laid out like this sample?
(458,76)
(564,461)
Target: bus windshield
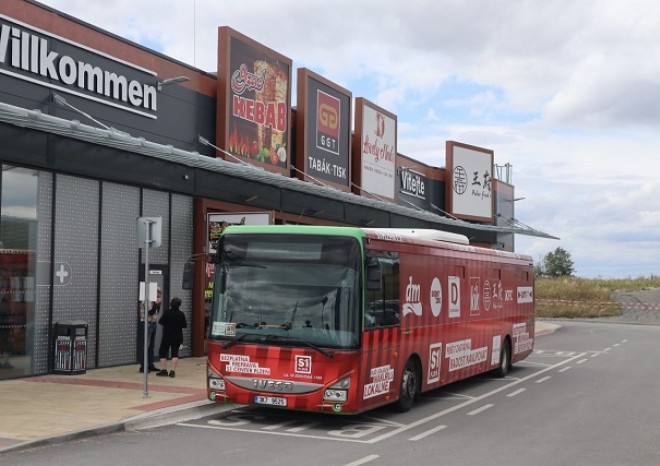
(288,290)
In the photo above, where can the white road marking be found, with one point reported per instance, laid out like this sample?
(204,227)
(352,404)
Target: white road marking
(532,363)
(364,460)
(427,433)
(384,421)
(457,395)
(581,361)
(300,428)
(564,369)
(517,392)
(432,417)
(355,435)
(543,379)
(479,410)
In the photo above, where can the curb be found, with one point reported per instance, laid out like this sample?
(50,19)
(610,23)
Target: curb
(172,415)
(547,328)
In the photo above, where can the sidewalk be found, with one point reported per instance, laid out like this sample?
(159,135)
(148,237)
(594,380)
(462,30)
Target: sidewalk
(56,408)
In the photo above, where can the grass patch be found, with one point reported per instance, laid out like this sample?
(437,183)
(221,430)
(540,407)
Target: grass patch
(572,297)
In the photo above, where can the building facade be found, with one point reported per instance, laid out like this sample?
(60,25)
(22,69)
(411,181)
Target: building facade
(96,131)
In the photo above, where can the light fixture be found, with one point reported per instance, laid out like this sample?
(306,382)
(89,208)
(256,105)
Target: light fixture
(174,80)
(202,140)
(311,212)
(375,196)
(306,175)
(251,198)
(447,214)
(61,101)
(402,168)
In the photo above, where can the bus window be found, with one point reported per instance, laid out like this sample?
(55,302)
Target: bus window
(382,308)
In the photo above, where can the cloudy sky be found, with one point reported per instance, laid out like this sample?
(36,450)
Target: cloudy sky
(567,92)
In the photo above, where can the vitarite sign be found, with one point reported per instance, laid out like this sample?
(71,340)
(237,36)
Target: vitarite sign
(44,59)
(412,184)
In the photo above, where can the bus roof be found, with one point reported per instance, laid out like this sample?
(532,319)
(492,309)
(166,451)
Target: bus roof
(406,235)
(422,233)
(419,233)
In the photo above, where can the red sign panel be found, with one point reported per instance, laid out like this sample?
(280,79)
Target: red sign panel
(254,101)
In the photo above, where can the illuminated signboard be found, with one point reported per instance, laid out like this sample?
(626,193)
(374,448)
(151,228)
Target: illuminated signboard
(324,131)
(470,185)
(374,150)
(254,101)
(44,59)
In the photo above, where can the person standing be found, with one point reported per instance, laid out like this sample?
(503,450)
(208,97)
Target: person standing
(173,321)
(152,326)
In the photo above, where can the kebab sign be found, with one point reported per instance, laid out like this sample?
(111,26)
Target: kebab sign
(255,102)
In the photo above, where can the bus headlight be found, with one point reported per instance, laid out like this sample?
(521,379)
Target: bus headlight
(215,381)
(217,384)
(335,395)
(338,392)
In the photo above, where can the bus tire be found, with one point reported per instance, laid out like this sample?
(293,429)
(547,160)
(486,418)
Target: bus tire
(505,359)
(410,386)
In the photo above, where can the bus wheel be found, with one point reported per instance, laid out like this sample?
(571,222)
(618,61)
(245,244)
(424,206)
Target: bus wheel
(505,359)
(409,387)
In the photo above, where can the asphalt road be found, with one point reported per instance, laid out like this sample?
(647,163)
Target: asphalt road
(585,397)
(640,307)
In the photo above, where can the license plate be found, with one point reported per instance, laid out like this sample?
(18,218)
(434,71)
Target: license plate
(270,400)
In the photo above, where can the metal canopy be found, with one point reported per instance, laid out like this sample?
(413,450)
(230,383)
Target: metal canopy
(251,185)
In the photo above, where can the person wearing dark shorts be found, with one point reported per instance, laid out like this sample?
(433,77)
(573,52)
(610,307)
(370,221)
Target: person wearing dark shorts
(173,321)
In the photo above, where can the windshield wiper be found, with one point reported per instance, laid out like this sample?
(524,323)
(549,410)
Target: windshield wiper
(262,338)
(237,338)
(272,336)
(325,353)
(240,263)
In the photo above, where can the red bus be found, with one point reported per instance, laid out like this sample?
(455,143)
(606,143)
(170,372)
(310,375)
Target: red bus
(343,319)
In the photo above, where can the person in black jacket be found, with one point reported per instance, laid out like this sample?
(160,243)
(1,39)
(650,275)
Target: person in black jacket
(173,321)
(152,322)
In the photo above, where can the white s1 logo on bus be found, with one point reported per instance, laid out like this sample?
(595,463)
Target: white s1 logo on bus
(435,361)
(303,364)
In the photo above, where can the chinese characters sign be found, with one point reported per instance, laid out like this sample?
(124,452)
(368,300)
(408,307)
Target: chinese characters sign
(470,186)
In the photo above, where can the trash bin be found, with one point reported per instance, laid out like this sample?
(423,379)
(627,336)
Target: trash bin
(70,347)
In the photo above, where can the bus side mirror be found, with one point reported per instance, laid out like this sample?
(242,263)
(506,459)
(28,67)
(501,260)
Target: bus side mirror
(188,275)
(374,275)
